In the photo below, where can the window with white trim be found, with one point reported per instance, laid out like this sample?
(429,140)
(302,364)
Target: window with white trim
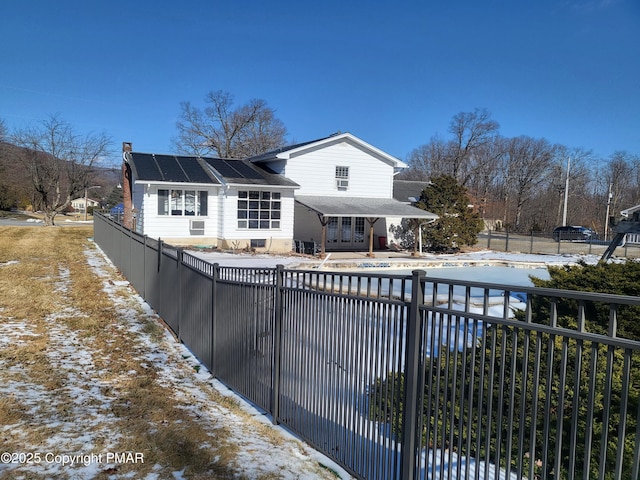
(259,210)
(182,202)
(342,178)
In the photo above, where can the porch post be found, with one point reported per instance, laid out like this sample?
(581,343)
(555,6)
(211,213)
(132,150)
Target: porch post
(323,221)
(371,222)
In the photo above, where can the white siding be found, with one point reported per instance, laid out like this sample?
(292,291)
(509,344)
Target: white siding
(229,216)
(169,226)
(315,172)
(221,223)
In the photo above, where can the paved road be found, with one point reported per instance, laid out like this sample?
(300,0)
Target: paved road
(33,222)
(16,222)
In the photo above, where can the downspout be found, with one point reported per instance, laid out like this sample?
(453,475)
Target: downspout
(420,233)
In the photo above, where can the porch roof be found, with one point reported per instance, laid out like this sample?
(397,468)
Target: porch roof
(362,207)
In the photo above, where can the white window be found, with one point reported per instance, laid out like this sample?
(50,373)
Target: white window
(259,210)
(182,202)
(342,178)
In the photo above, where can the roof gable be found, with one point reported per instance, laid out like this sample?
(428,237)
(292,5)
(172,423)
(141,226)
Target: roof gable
(288,152)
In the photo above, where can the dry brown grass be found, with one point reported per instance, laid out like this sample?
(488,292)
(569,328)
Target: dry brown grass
(52,285)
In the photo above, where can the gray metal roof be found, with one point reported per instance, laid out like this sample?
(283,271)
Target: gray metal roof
(362,207)
(406,190)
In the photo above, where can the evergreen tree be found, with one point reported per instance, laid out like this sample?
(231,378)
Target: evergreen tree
(114,197)
(458,224)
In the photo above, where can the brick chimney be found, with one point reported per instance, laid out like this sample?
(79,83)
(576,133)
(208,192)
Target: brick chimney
(127,220)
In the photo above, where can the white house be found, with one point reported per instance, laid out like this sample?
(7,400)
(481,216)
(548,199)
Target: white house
(345,197)
(78,204)
(336,192)
(211,201)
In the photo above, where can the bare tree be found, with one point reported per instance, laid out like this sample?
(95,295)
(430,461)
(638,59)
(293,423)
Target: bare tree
(471,132)
(59,163)
(427,160)
(470,152)
(227,132)
(484,178)
(619,174)
(528,163)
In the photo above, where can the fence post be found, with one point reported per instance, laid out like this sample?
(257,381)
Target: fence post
(144,267)
(531,245)
(180,289)
(277,345)
(214,319)
(413,368)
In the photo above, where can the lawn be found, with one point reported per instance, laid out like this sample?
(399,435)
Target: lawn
(93,386)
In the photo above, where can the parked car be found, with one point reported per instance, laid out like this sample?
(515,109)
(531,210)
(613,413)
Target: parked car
(573,232)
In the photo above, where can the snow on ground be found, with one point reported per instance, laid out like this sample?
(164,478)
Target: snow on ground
(87,425)
(385,259)
(91,402)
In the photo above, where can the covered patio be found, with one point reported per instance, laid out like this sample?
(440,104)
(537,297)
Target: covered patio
(371,209)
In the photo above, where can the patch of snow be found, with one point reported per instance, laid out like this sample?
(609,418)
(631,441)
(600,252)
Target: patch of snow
(489,256)
(77,413)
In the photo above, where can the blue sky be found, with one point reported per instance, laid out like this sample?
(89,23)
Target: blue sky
(392,73)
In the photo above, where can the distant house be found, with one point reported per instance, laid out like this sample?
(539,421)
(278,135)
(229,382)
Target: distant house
(336,192)
(78,204)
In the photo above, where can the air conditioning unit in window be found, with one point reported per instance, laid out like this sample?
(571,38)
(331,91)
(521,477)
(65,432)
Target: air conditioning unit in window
(196,226)
(342,183)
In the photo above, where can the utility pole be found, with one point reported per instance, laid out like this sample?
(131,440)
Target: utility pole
(566,194)
(606,220)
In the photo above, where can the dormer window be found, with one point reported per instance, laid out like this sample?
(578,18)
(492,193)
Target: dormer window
(342,178)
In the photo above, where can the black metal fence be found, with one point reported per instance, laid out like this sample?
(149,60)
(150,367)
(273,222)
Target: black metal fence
(545,243)
(408,376)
